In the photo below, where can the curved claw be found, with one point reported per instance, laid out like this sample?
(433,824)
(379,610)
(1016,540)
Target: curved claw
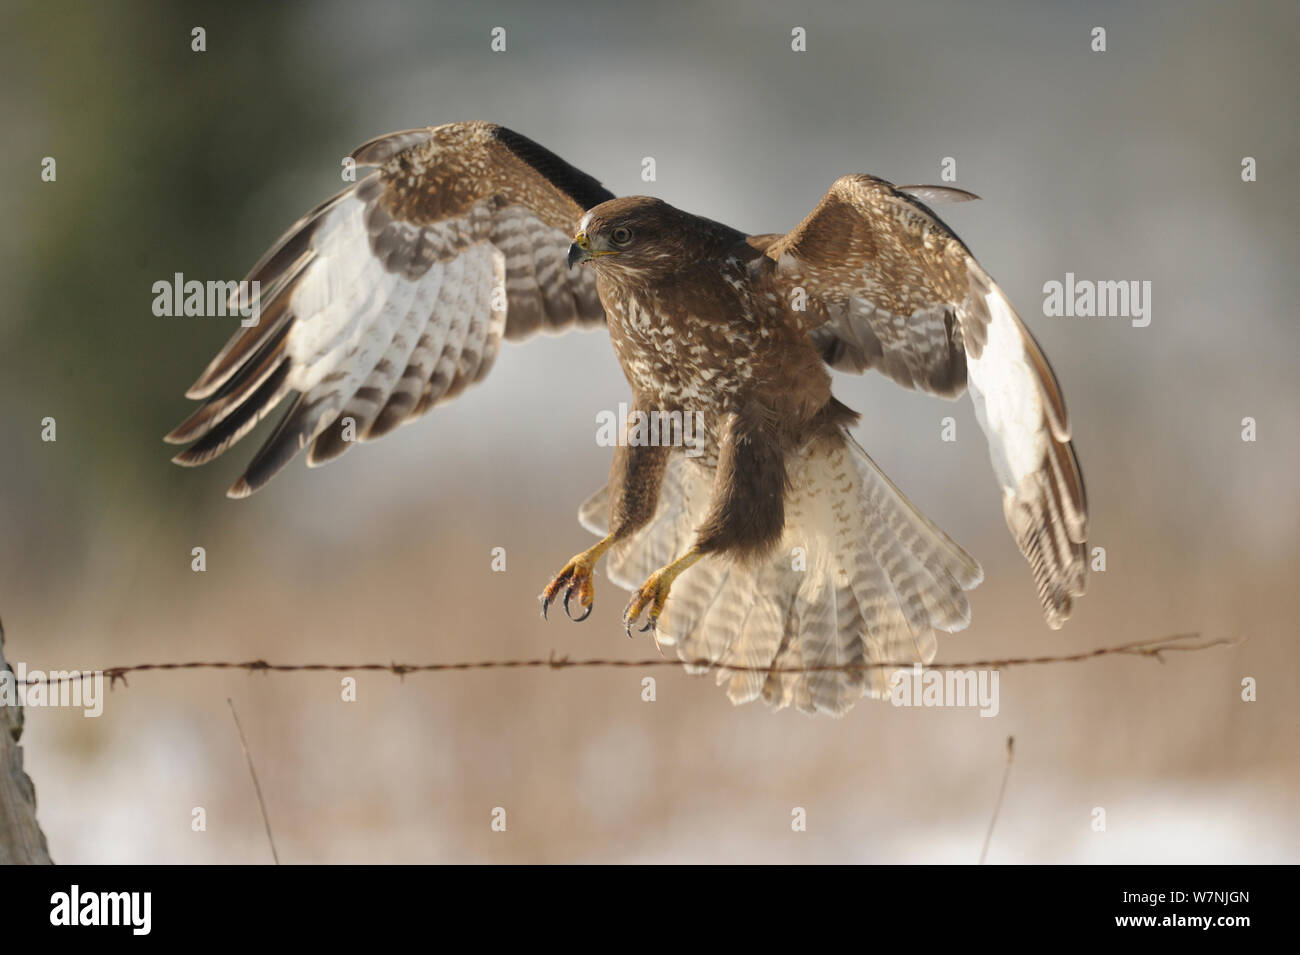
(549,594)
(653,594)
(569,613)
(641,603)
(575,578)
(631,618)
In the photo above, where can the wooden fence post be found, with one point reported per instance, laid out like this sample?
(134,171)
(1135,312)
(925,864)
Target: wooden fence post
(21,839)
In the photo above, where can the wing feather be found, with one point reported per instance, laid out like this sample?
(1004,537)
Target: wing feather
(395,294)
(891,287)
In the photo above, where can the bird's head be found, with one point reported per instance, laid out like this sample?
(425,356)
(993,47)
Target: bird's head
(636,236)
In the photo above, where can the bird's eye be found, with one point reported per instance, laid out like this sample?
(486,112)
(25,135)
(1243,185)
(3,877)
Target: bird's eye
(621,236)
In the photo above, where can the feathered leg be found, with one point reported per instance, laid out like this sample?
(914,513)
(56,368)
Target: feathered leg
(746,513)
(636,475)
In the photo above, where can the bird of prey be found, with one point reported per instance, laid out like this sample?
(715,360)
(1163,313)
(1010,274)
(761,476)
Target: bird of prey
(776,550)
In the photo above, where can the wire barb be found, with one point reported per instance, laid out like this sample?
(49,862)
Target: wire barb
(1141,648)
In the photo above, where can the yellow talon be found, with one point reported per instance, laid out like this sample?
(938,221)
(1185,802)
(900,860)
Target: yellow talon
(654,594)
(576,579)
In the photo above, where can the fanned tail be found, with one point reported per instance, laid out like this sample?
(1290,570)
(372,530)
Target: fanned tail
(860,576)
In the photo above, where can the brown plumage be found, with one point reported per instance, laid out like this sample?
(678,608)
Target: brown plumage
(781,542)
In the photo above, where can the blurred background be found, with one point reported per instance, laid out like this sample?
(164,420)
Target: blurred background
(1122,165)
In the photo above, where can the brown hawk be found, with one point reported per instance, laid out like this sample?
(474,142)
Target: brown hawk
(395,295)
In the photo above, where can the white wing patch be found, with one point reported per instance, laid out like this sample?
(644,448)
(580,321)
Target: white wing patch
(1007,400)
(357,324)
(395,295)
(1042,491)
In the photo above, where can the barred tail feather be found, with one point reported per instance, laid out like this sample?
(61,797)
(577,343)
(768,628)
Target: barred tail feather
(860,576)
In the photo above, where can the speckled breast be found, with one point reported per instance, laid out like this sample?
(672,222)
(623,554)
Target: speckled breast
(679,362)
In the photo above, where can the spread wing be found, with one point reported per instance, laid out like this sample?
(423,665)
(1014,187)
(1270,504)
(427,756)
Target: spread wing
(395,294)
(890,287)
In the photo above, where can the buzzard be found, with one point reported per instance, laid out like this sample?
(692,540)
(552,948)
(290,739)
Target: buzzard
(783,545)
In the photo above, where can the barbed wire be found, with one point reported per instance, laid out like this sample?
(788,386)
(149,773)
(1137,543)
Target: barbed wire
(1183,642)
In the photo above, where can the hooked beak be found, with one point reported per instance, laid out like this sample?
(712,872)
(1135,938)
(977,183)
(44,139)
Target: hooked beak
(579,250)
(582,250)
